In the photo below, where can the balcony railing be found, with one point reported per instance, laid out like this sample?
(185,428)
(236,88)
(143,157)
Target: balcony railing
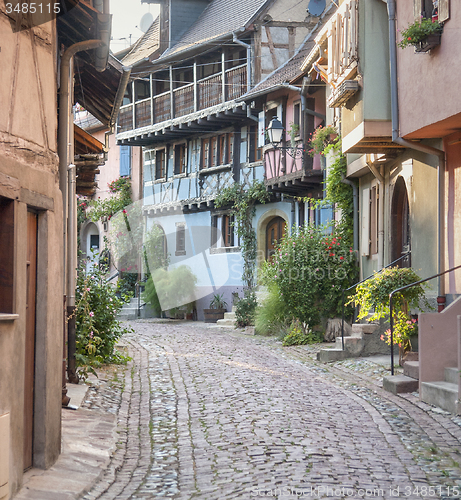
(207,92)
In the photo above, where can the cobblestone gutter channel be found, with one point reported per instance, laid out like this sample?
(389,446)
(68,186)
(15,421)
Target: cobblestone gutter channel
(216,414)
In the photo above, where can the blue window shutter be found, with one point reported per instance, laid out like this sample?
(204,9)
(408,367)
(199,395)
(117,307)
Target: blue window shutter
(125,161)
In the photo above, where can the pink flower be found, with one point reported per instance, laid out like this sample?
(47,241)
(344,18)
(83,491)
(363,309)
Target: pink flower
(91,334)
(91,313)
(88,289)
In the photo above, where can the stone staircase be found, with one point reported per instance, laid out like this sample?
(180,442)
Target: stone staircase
(444,393)
(363,341)
(228,321)
(408,382)
(129,310)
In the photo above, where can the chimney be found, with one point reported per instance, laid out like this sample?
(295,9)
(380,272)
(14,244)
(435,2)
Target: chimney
(176,17)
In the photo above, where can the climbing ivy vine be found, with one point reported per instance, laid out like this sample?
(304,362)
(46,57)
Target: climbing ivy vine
(242,202)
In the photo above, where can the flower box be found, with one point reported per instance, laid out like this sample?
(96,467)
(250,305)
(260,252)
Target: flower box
(429,43)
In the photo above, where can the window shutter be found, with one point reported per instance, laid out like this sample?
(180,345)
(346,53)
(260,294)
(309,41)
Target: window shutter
(125,161)
(261,130)
(444,10)
(365,242)
(280,113)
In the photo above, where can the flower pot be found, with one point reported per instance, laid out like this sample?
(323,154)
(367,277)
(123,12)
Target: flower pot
(429,43)
(212,315)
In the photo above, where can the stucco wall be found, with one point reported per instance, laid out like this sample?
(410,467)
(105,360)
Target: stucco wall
(28,131)
(428,81)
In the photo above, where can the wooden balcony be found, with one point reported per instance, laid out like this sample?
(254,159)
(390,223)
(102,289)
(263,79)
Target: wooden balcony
(199,95)
(285,174)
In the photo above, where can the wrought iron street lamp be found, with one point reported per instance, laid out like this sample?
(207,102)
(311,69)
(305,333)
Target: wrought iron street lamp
(275,131)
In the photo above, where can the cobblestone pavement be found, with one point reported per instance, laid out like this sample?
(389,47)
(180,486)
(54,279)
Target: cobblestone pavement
(205,413)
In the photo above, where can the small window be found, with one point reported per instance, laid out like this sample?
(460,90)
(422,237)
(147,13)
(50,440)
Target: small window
(141,89)
(180,159)
(214,151)
(254,152)
(228,231)
(94,241)
(205,153)
(160,167)
(7,253)
(180,239)
(222,234)
(297,118)
(222,149)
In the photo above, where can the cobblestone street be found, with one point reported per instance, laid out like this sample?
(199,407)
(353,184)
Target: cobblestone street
(208,413)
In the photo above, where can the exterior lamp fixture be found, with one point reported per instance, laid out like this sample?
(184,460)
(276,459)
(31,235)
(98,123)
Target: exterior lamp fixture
(274,131)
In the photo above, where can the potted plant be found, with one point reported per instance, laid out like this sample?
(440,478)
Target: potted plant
(373,295)
(423,35)
(218,306)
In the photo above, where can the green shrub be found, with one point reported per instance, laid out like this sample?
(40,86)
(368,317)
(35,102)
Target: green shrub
(298,336)
(245,309)
(97,327)
(310,269)
(271,316)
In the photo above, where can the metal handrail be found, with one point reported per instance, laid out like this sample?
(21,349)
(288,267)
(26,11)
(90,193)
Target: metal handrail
(391,296)
(344,290)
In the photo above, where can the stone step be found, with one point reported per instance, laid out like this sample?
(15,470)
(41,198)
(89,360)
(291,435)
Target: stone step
(411,369)
(228,323)
(363,328)
(452,375)
(230,315)
(442,394)
(352,345)
(334,354)
(398,384)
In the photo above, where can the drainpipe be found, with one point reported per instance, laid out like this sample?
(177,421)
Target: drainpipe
(391,9)
(65,148)
(248,47)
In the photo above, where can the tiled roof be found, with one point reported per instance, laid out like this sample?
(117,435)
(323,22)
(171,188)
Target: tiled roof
(145,46)
(221,17)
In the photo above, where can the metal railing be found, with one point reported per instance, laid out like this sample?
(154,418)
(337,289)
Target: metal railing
(404,256)
(397,290)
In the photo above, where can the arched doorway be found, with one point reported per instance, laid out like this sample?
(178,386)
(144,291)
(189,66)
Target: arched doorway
(91,246)
(400,223)
(275,230)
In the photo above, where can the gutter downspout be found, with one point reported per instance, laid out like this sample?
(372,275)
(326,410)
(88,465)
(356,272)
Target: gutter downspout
(391,9)
(64,153)
(248,47)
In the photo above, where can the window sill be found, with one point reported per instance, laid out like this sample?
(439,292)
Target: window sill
(180,252)
(219,250)
(8,317)
(212,170)
(159,181)
(179,176)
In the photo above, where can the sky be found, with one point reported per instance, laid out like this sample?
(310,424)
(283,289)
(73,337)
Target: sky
(126,18)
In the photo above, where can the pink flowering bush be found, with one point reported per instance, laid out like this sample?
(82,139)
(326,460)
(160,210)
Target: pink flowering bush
(97,327)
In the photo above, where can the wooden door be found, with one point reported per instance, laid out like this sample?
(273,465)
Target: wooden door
(30,338)
(400,219)
(275,231)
